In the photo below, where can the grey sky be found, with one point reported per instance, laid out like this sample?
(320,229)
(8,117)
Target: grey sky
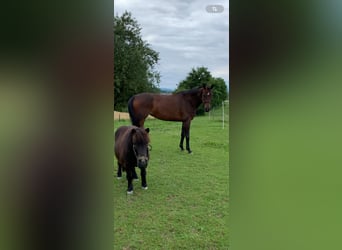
(184,34)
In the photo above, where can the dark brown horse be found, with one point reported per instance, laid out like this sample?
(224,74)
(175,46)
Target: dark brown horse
(131,150)
(180,107)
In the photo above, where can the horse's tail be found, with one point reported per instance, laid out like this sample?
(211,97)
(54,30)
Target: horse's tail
(134,119)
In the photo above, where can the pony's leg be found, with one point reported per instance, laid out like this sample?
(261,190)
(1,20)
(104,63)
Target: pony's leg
(182,137)
(130,181)
(143,178)
(187,136)
(119,174)
(134,176)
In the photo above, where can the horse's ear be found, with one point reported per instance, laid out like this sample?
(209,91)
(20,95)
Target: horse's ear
(204,85)
(133,131)
(212,86)
(147,130)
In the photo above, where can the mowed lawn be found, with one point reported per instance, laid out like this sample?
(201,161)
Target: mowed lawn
(186,204)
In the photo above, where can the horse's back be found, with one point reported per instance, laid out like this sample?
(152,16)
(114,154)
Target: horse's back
(169,107)
(172,107)
(167,100)
(146,102)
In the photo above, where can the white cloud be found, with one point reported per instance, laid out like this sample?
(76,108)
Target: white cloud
(184,34)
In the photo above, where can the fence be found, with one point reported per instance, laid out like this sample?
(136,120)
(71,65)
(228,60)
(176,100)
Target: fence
(220,114)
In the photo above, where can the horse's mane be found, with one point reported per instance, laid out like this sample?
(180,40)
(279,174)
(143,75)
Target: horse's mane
(189,91)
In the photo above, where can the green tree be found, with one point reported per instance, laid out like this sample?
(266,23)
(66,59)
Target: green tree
(134,62)
(200,76)
(197,77)
(220,91)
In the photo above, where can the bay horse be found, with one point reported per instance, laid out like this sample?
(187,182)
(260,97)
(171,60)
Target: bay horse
(131,150)
(180,107)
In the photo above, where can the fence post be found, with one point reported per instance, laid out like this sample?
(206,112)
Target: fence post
(223,115)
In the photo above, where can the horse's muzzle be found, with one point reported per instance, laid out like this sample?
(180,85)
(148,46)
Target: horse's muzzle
(142,162)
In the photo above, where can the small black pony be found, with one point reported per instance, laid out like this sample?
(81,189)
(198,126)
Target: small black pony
(176,107)
(131,150)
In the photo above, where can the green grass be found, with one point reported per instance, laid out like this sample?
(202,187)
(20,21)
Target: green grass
(186,205)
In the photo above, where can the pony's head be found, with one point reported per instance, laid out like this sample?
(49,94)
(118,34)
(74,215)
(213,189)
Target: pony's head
(206,94)
(141,147)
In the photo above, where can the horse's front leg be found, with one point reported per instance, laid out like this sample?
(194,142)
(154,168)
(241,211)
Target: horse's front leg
(143,178)
(129,176)
(182,137)
(187,135)
(134,175)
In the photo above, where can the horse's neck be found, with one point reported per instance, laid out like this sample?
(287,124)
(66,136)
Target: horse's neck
(195,100)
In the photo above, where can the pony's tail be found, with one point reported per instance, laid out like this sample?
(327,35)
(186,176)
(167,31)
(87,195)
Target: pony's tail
(134,120)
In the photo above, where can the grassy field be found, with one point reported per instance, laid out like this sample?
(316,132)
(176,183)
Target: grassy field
(186,205)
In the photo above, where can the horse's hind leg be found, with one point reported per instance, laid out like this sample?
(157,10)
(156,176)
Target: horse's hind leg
(119,174)
(142,122)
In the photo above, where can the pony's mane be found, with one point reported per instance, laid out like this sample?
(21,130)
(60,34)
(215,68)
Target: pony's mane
(141,136)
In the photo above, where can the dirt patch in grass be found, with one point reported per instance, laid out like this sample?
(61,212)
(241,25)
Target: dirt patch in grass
(121,116)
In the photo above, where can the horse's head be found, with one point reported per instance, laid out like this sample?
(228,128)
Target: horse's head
(141,146)
(206,94)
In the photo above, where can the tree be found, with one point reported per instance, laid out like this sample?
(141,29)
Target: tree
(200,76)
(134,62)
(197,77)
(220,91)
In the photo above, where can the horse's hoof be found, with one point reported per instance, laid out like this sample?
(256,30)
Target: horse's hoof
(130,192)
(145,188)
(118,177)
(135,179)
(190,152)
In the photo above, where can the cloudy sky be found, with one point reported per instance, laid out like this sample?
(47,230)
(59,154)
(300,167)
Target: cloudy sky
(185,35)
